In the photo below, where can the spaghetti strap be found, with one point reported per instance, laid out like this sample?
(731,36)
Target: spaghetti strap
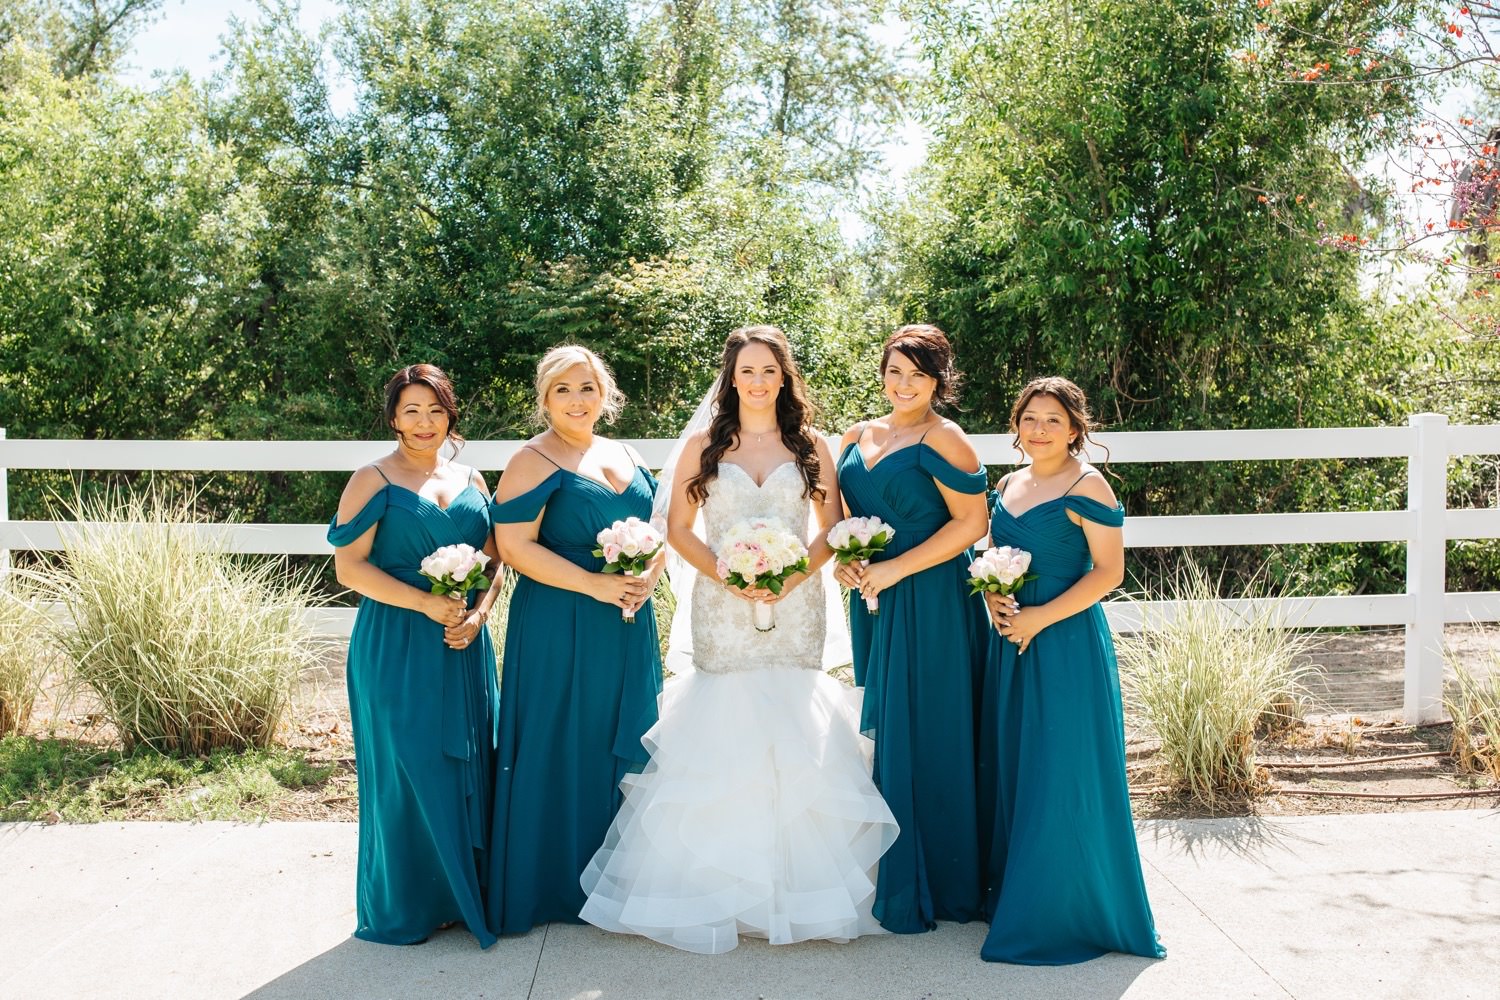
(927,432)
(1076,482)
(475,472)
(539,451)
(382,473)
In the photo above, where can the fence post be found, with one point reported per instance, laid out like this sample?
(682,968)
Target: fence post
(1426,567)
(4,516)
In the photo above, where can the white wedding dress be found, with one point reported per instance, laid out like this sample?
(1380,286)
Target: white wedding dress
(756,814)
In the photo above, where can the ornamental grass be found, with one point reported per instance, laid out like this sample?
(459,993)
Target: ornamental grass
(27,653)
(188,647)
(1207,681)
(499,619)
(1473,703)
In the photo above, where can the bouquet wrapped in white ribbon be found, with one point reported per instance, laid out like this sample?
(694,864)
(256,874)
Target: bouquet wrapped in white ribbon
(760,553)
(628,547)
(860,539)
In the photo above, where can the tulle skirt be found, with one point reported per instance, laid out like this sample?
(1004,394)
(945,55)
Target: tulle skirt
(756,816)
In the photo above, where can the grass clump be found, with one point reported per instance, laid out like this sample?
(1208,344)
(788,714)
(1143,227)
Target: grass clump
(79,782)
(1473,703)
(26,651)
(499,619)
(189,648)
(1206,681)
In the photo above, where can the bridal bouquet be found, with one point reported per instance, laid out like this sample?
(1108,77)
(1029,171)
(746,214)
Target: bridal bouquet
(1000,570)
(859,539)
(455,570)
(760,553)
(628,547)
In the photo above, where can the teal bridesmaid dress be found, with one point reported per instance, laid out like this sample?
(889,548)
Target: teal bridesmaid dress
(578,690)
(919,661)
(1064,874)
(424,731)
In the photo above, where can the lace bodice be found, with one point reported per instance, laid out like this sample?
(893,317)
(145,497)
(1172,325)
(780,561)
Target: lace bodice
(724,636)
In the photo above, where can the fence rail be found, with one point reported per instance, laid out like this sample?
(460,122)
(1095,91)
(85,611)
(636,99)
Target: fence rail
(1426,525)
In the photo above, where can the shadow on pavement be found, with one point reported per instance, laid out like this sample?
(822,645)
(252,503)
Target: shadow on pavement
(563,962)
(1248,837)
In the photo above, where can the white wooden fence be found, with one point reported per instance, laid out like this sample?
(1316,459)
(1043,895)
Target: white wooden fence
(1426,524)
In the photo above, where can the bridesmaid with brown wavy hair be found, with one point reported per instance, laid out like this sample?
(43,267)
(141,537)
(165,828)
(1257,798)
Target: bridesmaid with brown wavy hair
(756,815)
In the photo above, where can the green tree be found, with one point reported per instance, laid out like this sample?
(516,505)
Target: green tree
(1118,193)
(1108,198)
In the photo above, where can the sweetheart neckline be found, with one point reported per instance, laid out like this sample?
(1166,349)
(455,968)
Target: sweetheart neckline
(746,472)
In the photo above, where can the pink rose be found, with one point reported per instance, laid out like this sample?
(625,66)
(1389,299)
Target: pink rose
(611,551)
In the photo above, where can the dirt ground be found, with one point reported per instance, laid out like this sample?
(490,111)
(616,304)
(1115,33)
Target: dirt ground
(1340,760)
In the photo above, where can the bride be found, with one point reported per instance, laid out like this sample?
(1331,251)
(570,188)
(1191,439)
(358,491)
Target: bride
(756,815)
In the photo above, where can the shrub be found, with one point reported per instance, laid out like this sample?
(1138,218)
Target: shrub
(188,647)
(1205,680)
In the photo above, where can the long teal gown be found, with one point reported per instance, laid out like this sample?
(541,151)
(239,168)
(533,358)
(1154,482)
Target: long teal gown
(1064,874)
(578,690)
(920,662)
(424,731)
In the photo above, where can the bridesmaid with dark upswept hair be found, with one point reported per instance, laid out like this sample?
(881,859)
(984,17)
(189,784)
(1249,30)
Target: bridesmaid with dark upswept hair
(422,693)
(919,659)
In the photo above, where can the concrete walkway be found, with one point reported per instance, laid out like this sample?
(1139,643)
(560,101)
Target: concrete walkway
(1366,906)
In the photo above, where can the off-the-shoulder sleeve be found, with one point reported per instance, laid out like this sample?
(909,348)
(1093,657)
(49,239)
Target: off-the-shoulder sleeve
(1093,510)
(340,535)
(526,506)
(949,474)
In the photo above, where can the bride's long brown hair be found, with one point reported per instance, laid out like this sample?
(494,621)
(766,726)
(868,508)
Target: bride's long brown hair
(794,414)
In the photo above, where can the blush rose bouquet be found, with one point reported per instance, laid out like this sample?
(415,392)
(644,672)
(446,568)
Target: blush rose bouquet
(859,539)
(628,547)
(455,570)
(760,553)
(1001,569)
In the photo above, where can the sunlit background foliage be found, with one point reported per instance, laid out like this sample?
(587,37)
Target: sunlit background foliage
(1166,200)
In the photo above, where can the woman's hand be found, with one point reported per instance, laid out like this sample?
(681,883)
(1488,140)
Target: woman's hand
(465,632)
(626,592)
(752,594)
(653,574)
(1001,607)
(880,576)
(1023,626)
(446,611)
(849,574)
(788,585)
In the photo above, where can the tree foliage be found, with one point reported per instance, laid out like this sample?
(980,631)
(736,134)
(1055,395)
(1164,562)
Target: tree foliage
(1159,198)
